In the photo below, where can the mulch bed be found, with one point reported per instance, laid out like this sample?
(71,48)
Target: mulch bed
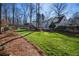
(15,45)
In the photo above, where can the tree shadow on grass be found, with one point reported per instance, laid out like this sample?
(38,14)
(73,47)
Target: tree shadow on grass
(69,34)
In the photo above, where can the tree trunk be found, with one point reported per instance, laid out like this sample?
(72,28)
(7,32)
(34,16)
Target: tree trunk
(30,14)
(37,15)
(0,17)
(13,12)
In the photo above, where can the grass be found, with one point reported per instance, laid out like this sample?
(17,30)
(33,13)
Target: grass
(55,44)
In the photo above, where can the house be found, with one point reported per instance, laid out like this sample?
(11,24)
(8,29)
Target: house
(46,23)
(70,25)
(73,25)
(59,21)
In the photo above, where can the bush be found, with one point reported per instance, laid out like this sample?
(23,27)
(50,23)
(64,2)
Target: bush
(61,28)
(6,28)
(52,26)
(78,27)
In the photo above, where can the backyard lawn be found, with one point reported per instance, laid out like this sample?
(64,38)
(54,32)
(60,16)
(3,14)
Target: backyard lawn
(55,44)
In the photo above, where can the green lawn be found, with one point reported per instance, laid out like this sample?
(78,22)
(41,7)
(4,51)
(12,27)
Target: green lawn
(55,44)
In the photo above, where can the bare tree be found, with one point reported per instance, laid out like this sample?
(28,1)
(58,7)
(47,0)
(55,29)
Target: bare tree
(25,12)
(74,20)
(0,17)
(59,8)
(6,10)
(37,15)
(30,8)
(48,13)
(17,16)
(13,8)
(31,11)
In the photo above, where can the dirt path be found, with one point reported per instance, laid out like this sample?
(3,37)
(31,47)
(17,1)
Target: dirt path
(15,45)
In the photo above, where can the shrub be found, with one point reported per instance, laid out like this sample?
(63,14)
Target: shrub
(61,28)
(6,28)
(52,26)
